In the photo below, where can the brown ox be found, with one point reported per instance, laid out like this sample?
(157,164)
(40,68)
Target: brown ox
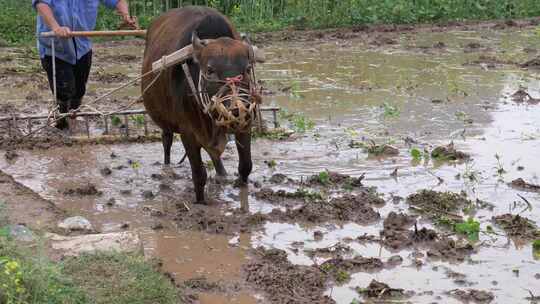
(219,54)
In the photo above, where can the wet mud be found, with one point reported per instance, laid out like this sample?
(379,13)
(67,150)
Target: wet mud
(328,217)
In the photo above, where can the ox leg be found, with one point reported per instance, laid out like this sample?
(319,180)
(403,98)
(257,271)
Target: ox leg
(198,171)
(243,144)
(167,140)
(218,164)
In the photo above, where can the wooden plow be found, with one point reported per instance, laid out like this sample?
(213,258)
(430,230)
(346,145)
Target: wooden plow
(23,125)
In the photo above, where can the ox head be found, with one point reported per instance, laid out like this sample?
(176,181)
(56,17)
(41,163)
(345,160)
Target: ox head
(227,80)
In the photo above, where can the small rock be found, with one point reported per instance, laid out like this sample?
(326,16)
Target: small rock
(125,192)
(113,155)
(76,245)
(537,276)
(148,194)
(257,185)
(437,101)
(395,260)
(124,226)
(76,223)
(111,202)
(164,187)
(21,233)
(156,176)
(105,171)
(155,212)
(318,235)
(157,226)
(11,155)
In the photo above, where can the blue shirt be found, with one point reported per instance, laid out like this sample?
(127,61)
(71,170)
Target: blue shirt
(78,15)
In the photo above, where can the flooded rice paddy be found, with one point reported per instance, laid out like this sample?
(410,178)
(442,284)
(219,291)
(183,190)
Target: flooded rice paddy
(412,90)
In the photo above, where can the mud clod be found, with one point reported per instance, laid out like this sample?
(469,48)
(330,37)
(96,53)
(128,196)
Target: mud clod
(472,295)
(448,152)
(148,195)
(85,190)
(334,178)
(438,204)
(105,171)
(380,290)
(355,208)
(449,249)
(356,264)
(284,282)
(521,184)
(522,95)
(517,226)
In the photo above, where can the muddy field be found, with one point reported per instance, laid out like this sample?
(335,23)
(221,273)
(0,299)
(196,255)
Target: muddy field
(417,184)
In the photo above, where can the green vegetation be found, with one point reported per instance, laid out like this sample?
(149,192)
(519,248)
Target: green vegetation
(115,121)
(298,122)
(120,278)
(17,19)
(470,228)
(390,111)
(324,178)
(138,119)
(416,154)
(28,276)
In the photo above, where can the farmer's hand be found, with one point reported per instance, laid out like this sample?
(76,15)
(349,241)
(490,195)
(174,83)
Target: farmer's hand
(129,22)
(62,31)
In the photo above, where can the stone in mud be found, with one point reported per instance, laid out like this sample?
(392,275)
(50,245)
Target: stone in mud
(521,184)
(105,171)
(335,178)
(448,152)
(383,150)
(380,290)
(76,245)
(284,282)
(318,235)
(522,96)
(76,223)
(11,155)
(278,178)
(157,226)
(85,190)
(472,295)
(148,194)
(111,202)
(21,233)
(394,260)
(517,226)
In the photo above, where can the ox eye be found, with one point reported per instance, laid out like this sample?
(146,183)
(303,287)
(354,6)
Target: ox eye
(210,70)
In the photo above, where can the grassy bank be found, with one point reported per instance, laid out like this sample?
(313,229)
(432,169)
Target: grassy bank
(27,275)
(17,18)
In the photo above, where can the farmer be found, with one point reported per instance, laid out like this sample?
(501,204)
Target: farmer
(73,54)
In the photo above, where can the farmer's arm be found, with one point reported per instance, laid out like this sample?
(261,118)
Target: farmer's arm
(122,8)
(44,10)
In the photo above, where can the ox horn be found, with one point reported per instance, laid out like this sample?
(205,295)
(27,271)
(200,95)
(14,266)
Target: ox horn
(256,53)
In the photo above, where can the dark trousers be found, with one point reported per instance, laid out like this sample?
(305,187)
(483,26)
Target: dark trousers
(70,82)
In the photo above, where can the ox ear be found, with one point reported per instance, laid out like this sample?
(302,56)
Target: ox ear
(198,46)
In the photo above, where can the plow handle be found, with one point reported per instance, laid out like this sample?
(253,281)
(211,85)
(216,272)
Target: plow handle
(99,33)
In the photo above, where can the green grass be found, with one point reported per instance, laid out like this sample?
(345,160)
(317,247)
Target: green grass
(120,279)
(470,228)
(17,18)
(29,277)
